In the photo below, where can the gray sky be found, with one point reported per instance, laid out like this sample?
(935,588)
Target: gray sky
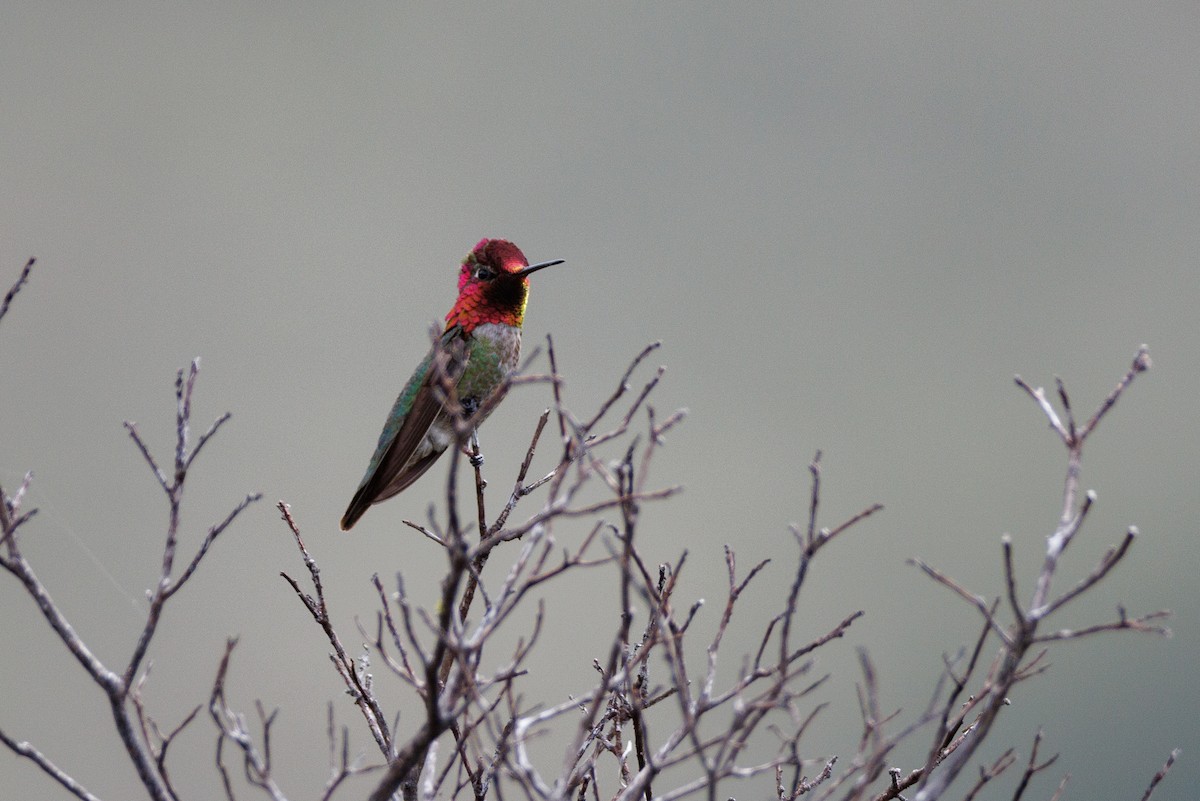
(849,226)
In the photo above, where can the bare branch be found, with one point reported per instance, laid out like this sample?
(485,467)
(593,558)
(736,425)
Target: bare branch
(25,749)
(1107,563)
(16,287)
(1122,623)
(622,386)
(16,564)
(173,488)
(619,741)
(985,609)
(1141,363)
(136,436)
(232,726)
(357,683)
(1162,773)
(213,532)
(1032,767)
(1039,397)
(1011,666)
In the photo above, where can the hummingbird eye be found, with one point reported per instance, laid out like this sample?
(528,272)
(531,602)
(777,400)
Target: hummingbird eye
(483,273)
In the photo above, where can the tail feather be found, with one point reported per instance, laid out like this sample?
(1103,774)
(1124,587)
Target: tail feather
(358,505)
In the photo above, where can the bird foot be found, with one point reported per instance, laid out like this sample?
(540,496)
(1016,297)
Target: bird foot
(471,449)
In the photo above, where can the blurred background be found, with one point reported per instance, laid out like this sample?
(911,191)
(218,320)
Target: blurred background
(849,225)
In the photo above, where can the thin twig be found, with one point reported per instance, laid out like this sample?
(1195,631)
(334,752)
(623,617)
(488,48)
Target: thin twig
(1161,774)
(25,749)
(16,287)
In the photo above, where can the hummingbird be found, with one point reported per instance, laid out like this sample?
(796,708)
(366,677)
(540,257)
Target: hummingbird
(481,346)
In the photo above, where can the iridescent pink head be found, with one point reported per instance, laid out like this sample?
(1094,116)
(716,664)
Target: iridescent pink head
(493,285)
(497,255)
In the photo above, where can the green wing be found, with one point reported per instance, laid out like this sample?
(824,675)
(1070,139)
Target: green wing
(394,466)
